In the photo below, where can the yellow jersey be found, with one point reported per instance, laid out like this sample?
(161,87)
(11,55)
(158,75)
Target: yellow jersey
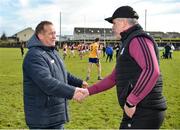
(93,50)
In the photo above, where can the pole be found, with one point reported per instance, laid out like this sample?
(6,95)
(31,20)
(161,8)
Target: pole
(104,35)
(145,18)
(84,28)
(104,32)
(60,30)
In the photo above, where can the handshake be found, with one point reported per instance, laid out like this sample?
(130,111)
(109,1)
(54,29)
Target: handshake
(81,93)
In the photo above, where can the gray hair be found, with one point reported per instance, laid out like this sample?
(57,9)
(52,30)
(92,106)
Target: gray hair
(131,21)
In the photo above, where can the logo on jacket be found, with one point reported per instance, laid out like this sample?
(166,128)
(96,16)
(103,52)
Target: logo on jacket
(52,61)
(122,51)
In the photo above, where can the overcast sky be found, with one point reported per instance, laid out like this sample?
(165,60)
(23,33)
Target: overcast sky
(16,15)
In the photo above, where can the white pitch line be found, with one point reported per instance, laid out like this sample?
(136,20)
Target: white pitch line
(10,76)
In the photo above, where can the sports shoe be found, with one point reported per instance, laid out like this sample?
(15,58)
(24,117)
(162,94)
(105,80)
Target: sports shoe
(100,78)
(87,78)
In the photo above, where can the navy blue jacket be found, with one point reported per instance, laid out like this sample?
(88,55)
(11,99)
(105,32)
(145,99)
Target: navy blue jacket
(47,86)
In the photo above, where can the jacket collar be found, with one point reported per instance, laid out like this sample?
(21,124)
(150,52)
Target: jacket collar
(126,33)
(45,48)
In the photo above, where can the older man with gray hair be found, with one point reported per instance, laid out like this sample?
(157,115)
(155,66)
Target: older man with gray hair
(136,74)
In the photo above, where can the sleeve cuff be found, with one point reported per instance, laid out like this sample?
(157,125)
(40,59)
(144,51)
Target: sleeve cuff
(91,90)
(133,99)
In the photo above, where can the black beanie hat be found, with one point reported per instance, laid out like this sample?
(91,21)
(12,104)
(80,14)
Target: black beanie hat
(123,12)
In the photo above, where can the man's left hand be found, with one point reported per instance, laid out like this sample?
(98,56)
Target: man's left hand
(129,110)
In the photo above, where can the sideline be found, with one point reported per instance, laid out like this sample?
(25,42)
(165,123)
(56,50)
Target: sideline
(11,76)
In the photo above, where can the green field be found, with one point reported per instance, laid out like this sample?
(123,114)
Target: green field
(98,111)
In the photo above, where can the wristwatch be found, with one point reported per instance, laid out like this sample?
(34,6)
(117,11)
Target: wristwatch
(129,105)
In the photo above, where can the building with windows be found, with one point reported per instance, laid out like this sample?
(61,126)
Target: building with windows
(89,34)
(24,35)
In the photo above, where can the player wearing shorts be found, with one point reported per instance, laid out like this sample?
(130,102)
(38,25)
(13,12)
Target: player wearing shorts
(94,59)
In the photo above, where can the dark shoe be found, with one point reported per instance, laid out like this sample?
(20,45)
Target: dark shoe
(100,78)
(87,78)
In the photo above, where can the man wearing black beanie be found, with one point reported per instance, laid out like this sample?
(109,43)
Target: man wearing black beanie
(136,74)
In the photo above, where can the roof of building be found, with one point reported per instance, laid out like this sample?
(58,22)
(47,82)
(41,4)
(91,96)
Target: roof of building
(29,28)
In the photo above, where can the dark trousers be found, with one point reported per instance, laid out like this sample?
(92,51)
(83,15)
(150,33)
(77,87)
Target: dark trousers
(60,127)
(109,56)
(170,55)
(143,119)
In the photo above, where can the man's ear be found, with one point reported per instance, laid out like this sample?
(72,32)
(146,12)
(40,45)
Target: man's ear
(40,36)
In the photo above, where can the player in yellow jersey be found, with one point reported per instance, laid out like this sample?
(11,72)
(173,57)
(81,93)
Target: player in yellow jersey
(94,59)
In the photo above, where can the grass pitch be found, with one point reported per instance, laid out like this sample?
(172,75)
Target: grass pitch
(96,112)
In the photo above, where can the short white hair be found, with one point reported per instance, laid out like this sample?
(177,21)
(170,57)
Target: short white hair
(131,21)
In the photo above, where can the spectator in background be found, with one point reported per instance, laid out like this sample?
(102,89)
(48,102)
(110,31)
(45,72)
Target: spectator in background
(104,50)
(72,50)
(57,46)
(65,51)
(171,51)
(22,49)
(167,51)
(109,53)
(80,50)
(117,47)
